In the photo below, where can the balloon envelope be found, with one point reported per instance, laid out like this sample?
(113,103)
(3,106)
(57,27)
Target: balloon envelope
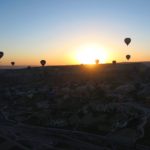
(1,54)
(28,67)
(43,62)
(128,57)
(114,62)
(97,61)
(127,41)
(12,63)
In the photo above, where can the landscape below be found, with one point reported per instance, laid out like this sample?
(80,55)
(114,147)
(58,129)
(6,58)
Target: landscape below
(85,104)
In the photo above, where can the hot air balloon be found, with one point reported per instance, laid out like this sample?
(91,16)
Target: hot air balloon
(28,67)
(43,62)
(1,54)
(127,41)
(114,62)
(97,61)
(12,63)
(128,57)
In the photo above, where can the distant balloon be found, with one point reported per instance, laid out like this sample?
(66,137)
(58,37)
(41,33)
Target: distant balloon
(1,54)
(28,67)
(114,62)
(43,62)
(128,57)
(12,63)
(97,61)
(127,41)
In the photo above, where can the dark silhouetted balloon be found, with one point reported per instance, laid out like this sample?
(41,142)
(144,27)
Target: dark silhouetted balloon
(114,62)
(127,41)
(43,62)
(128,57)
(97,61)
(1,54)
(12,63)
(28,67)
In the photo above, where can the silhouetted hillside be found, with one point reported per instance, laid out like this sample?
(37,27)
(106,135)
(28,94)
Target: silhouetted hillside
(112,101)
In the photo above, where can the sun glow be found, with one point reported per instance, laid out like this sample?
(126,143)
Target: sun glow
(89,53)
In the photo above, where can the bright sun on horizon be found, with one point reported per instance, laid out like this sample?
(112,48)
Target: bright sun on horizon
(87,54)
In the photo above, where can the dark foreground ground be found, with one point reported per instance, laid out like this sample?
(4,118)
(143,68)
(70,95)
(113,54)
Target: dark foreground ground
(76,108)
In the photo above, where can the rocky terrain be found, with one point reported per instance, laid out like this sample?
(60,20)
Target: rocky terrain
(76,107)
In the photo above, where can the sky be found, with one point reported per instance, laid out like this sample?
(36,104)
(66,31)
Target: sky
(67,32)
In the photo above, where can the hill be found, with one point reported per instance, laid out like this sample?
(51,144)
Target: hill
(112,101)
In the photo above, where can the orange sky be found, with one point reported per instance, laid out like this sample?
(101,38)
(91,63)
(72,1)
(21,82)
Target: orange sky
(67,32)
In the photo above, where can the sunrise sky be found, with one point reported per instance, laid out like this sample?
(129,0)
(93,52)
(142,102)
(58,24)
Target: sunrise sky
(67,32)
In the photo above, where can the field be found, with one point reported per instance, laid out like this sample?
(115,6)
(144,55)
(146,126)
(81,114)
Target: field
(85,103)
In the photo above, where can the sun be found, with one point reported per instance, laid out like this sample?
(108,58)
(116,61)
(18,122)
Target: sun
(87,54)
